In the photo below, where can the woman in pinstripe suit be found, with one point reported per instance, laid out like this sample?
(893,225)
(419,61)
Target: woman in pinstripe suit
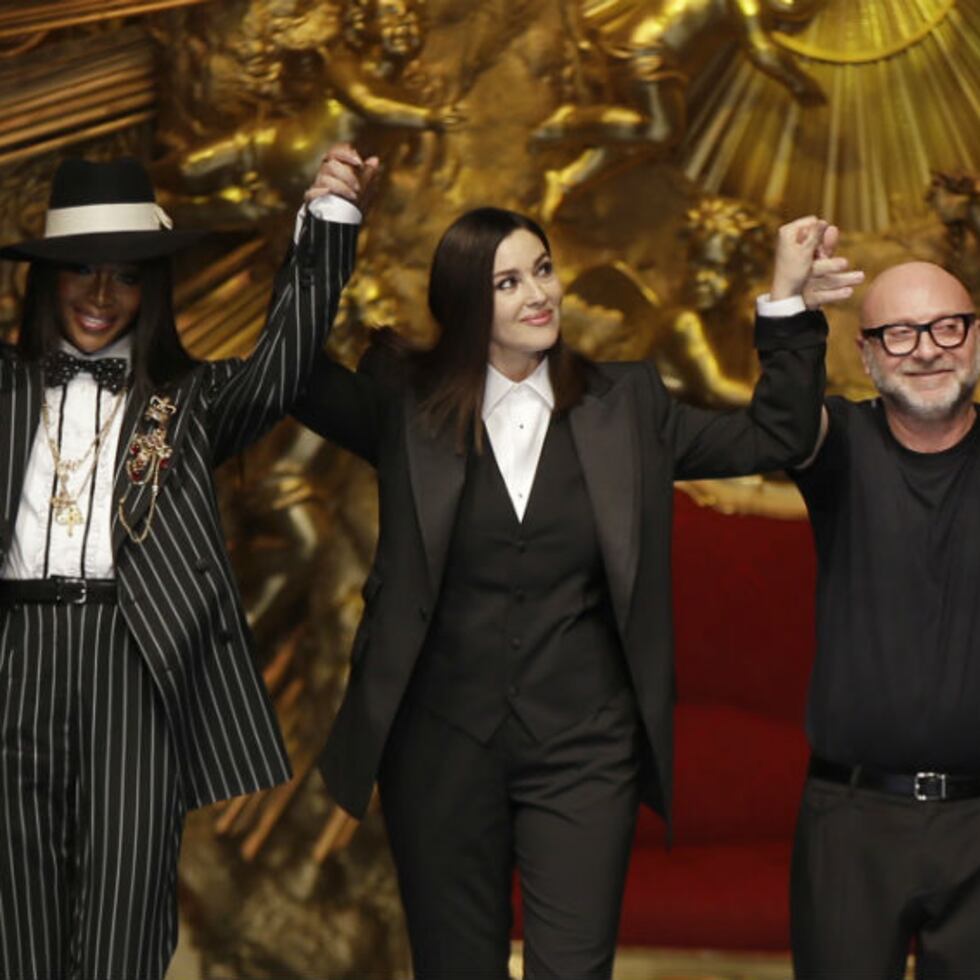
(128,693)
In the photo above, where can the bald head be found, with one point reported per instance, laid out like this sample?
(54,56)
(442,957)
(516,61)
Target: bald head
(913,292)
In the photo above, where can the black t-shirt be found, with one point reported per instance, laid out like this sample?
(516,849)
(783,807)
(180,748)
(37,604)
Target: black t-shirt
(896,681)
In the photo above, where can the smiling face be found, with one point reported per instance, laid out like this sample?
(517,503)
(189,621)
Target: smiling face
(398,28)
(97,304)
(526,304)
(931,383)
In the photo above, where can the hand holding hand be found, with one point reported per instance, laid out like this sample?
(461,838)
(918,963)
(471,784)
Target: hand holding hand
(344,173)
(796,248)
(831,278)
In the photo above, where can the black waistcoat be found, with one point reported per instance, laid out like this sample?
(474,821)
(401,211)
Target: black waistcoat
(524,621)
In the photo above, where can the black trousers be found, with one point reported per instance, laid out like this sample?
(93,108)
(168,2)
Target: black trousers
(461,815)
(872,872)
(90,807)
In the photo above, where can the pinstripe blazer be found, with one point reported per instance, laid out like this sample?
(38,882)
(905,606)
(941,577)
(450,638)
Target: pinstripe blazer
(176,589)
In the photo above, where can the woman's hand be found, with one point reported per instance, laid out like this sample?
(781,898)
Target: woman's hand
(344,173)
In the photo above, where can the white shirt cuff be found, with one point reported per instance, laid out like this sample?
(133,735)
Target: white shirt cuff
(330,207)
(790,306)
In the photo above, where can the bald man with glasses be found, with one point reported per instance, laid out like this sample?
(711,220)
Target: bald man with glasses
(888,840)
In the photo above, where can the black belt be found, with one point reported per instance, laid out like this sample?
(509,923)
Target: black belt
(58,589)
(922,786)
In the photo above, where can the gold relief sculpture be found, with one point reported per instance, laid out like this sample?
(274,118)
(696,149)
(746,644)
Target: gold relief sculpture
(708,114)
(902,82)
(648,50)
(955,198)
(314,72)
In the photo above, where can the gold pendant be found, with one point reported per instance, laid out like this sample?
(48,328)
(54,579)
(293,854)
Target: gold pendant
(67,512)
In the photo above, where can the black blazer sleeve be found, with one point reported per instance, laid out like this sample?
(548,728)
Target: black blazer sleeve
(343,406)
(247,396)
(778,428)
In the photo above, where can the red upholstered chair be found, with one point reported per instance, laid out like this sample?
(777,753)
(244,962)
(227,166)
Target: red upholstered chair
(743,600)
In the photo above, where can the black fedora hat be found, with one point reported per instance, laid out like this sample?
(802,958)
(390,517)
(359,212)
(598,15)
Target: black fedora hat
(102,212)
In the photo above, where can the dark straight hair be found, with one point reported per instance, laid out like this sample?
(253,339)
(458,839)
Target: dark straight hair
(158,357)
(451,376)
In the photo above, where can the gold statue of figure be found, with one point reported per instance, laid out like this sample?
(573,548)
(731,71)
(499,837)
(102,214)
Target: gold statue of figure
(647,43)
(955,198)
(340,67)
(701,335)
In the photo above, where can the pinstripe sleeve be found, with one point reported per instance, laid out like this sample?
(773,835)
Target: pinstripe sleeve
(248,396)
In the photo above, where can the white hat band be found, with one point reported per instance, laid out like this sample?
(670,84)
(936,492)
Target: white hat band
(94,219)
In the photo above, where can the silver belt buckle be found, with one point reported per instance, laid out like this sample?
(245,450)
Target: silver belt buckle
(82,585)
(922,794)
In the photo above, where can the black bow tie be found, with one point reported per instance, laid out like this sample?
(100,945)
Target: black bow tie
(60,367)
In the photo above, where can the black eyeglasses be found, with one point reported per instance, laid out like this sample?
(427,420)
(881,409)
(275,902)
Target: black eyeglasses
(901,339)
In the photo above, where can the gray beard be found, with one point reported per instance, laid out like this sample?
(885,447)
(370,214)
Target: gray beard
(891,390)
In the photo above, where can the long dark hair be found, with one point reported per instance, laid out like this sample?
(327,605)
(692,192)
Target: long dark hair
(158,357)
(451,376)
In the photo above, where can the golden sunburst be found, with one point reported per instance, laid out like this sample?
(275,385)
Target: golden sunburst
(902,81)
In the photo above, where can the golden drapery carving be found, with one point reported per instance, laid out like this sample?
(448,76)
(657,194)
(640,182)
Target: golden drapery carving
(661,140)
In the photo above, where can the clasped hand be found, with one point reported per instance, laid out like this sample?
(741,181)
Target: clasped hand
(806,265)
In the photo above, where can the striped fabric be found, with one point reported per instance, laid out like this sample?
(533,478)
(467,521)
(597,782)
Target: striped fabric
(90,807)
(177,593)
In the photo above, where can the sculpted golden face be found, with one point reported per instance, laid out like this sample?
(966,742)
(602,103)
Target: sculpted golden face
(398,28)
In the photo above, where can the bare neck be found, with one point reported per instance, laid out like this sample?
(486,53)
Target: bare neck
(929,435)
(514,365)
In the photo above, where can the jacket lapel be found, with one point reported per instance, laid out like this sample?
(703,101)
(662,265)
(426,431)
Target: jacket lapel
(20,412)
(136,498)
(604,428)
(437,474)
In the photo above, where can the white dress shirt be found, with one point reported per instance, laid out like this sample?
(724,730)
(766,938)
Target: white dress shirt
(87,551)
(517,415)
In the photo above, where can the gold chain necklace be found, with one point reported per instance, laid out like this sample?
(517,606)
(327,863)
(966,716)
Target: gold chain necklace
(64,503)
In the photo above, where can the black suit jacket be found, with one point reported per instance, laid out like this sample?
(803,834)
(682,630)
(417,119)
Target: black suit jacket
(176,589)
(633,440)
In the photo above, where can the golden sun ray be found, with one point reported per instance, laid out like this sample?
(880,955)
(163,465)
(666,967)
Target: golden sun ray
(902,81)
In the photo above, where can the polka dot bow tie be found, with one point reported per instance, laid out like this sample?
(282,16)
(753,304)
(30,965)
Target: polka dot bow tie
(60,367)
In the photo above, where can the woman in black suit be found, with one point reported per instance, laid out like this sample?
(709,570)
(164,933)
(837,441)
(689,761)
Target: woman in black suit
(511,679)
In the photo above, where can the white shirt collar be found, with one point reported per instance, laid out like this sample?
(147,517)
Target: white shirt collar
(120,347)
(498,386)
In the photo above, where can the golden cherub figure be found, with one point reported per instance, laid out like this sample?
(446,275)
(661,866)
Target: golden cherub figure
(328,71)
(646,45)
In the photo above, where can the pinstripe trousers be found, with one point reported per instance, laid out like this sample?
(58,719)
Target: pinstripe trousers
(90,804)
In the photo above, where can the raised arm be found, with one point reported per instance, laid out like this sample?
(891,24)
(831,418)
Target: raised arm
(782,424)
(247,396)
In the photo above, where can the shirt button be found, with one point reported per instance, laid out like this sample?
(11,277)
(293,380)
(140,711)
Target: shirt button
(515,642)
(513,691)
(519,595)
(424,613)
(521,545)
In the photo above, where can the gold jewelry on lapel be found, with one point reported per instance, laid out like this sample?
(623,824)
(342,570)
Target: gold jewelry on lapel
(64,501)
(148,455)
